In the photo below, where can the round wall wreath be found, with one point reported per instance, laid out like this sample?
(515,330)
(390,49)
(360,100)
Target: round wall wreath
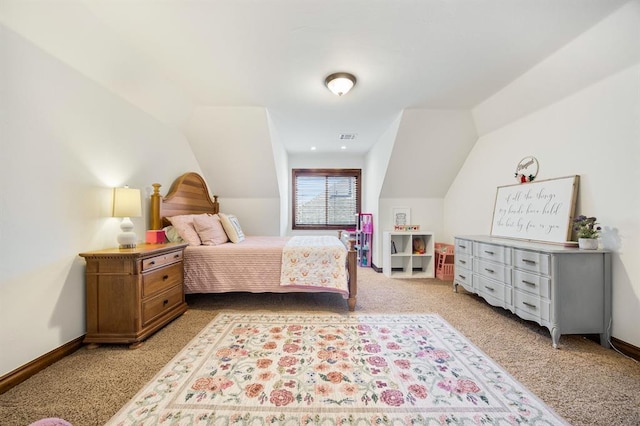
(527,169)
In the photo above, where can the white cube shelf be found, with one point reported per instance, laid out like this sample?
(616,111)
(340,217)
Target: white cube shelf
(400,258)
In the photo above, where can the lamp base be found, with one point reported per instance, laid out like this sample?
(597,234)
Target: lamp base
(127,238)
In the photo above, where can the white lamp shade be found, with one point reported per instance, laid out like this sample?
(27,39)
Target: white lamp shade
(340,83)
(126,202)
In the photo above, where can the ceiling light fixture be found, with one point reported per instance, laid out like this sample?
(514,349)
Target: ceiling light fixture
(340,82)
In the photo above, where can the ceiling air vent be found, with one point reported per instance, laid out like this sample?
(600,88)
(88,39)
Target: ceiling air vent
(347,136)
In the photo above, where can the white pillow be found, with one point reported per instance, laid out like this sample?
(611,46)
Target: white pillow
(172,234)
(232,227)
(210,230)
(184,225)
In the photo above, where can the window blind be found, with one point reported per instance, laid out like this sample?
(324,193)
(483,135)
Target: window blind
(325,198)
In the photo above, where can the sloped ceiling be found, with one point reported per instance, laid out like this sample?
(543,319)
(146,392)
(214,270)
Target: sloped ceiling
(168,56)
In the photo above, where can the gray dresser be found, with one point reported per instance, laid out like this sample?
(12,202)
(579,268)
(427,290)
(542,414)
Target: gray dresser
(565,289)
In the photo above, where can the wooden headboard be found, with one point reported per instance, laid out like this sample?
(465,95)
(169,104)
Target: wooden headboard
(188,195)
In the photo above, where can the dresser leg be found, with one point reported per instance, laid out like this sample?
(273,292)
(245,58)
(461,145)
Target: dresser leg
(135,345)
(92,346)
(555,337)
(455,287)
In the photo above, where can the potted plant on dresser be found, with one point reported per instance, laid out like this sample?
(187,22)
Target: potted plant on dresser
(587,231)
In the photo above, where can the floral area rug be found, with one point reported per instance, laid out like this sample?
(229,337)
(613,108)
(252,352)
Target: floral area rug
(314,369)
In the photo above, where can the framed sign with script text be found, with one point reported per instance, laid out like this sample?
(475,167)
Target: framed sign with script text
(537,211)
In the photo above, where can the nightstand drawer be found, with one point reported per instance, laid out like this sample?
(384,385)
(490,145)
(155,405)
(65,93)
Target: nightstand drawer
(161,279)
(156,306)
(163,259)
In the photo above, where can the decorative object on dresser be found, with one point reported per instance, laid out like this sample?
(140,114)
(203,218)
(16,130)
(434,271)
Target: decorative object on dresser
(536,211)
(587,230)
(132,293)
(562,288)
(127,204)
(253,263)
(408,254)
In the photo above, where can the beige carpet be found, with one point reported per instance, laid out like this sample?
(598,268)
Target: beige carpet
(583,382)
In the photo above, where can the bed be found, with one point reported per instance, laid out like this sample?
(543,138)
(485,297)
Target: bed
(256,264)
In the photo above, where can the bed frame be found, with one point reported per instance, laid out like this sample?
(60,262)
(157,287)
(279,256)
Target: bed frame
(189,195)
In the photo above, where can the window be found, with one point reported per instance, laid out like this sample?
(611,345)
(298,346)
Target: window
(325,198)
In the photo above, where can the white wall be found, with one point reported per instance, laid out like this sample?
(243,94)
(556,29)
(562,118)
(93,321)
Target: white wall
(281,161)
(376,162)
(317,160)
(234,148)
(594,132)
(66,142)
(430,147)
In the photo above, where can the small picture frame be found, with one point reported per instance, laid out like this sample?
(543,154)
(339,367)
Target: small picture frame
(401,216)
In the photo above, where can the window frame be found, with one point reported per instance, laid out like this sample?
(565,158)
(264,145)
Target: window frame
(295,173)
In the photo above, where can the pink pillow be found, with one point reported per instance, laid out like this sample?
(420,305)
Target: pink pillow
(210,230)
(184,226)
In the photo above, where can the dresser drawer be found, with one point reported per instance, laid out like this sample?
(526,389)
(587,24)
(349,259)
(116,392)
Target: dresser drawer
(531,307)
(496,271)
(463,247)
(161,279)
(532,261)
(492,252)
(493,291)
(161,260)
(463,277)
(463,261)
(532,283)
(163,302)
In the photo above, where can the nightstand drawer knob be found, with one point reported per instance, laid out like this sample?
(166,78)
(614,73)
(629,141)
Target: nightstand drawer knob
(165,277)
(165,302)
(153,262)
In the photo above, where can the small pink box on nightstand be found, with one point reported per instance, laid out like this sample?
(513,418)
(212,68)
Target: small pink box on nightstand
(156,237)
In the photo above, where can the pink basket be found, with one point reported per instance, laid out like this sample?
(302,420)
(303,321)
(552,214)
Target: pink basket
(444,261)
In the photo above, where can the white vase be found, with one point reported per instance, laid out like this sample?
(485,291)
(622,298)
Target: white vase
(588,243)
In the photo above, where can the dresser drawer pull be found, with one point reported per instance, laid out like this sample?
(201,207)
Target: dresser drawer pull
(153,262)
(530,305)
(165,302)
(529,283)
(533,262)
(175,256)
(462,277)
(489,252)
(491,271)
(464,262)
(165,277)
(489,288)
(463,247)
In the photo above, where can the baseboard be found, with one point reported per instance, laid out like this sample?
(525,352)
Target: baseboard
(21,374)
(375,268)
(626,348)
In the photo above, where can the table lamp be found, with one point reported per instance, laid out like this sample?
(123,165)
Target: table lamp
(127,204)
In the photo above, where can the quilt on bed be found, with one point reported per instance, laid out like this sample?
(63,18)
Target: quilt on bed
(315,262)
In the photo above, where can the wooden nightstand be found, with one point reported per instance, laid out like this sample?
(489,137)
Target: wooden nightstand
(132,293)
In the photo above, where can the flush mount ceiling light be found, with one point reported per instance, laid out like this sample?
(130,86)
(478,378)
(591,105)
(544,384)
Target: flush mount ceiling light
(340,82)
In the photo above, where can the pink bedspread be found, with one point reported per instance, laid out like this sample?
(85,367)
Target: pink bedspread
(253,265)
